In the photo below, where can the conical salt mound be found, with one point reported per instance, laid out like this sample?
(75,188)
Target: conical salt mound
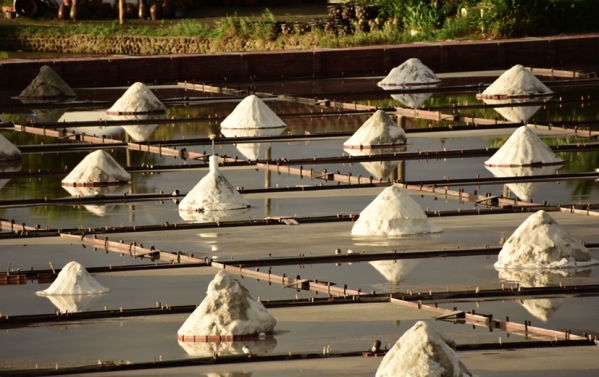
(524,148)
(73,279)
(227,311)
(47,84)
(213,193)
(422,352)
(252,112)
(516,82)
(138,99)
(97,168)
(410,73)
(378,131)
(8,152)
(393,213)
(540,242)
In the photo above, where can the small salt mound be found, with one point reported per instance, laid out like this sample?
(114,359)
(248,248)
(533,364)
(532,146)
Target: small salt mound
(8,152)
(74,279)
(47,84)
(138,99)
(252,112)
(524,190)
(227,310)
(516,82)
(540,242)
(96,168)
(411,100)
(252,151)
(213,193)
(395,271)
(422,352)
(410,73)
(378,169)
(393,213)
(524,148)
(378,131)
(516,113)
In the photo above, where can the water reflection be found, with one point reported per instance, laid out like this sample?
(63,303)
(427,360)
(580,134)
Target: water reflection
(142,132)
(258,347)
(524,190)
(73,303)
(8,167)
(88,116)
(252,151)
(99,209)
(380,169)
(515,114)
(214,216)
(395,271)
(411,100)
(542,308)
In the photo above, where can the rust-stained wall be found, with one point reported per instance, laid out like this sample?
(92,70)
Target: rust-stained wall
(551,52)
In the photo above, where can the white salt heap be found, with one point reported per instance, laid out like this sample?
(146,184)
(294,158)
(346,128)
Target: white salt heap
(96,168)
(138,99)
(394,213)
(524,148)
(252,112)
(47,84)
(523,190)
(227,310)
(378,131)
(74,279)
(516,82)
(213,193)
(8,152)
(540,242)
(411,72)
(422,352)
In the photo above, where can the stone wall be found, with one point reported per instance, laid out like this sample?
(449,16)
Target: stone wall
(180,59)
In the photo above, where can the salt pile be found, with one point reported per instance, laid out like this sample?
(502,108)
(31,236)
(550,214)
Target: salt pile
(253,151)
(524,190)
(394,213)
(516,82)
(524,148)
(8,152)
(227,311)
(395,271)
(213,193)
(411,100)
(378,169)
(97,168)
(410,73)
(540,242)
(47,84)
(74,279)
(422,352)
(516,113)
(252,112)
(138,99)
(378,131)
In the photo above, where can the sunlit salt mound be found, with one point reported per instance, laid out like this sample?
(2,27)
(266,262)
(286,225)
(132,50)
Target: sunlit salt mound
(138,99)
(378,131)
(410,73)
(393,213)
(422,352)
(523,190)
(252,112)
(540,242)
(228,311)
(97,168)
(516,82)
(8,152)
(524,148)
(213,193)
(73,279)
(47,84)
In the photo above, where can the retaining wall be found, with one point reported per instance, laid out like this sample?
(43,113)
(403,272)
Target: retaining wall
(563,51)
